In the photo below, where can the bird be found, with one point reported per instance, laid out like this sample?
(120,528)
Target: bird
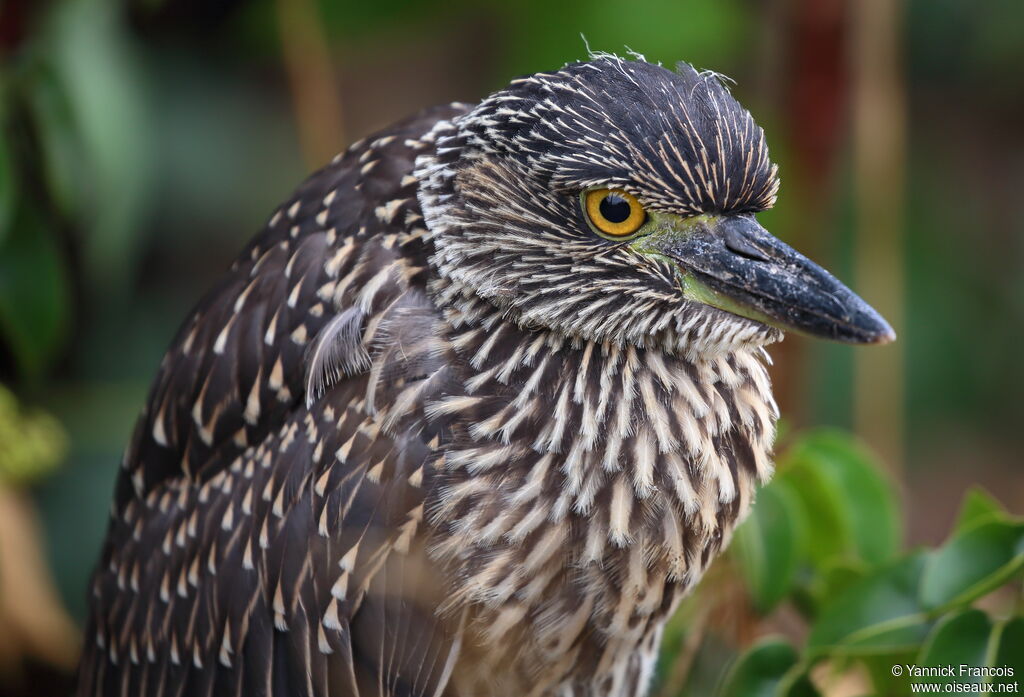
(473,412)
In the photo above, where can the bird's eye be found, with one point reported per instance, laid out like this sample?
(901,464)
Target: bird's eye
(613,212)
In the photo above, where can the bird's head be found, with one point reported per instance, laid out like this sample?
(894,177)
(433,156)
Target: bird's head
(615,200)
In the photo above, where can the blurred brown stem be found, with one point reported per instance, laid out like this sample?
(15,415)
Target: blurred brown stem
(33,623)
(879,143)
(312,80)
(676,679)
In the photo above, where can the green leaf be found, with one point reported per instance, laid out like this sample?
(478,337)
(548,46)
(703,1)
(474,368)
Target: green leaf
(977,505)
(960,637)
(822,503)
(1006,652)
(770,668)
(879,672)
(972,563)
(767,544)
(839,473)
(34,293)
(7,186)
(90,103)
(968,640)
(878,614)
(837,577)
(65,165)
(829,582)
(32,443)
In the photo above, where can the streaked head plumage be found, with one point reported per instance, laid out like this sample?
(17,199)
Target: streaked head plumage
(504,196)
(678,140)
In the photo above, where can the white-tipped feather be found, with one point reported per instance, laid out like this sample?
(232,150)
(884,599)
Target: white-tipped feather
(337,351)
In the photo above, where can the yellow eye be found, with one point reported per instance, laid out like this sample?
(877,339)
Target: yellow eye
(613,211)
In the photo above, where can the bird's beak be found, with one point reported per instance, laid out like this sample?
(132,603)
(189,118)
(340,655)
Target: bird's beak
(732,263)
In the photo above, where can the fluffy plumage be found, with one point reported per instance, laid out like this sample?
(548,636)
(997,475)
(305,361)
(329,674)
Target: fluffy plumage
(433,436)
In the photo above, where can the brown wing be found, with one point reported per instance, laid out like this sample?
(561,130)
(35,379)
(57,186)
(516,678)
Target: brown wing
(262,539)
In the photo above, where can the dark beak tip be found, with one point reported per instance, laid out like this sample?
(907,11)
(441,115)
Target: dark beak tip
(738,258)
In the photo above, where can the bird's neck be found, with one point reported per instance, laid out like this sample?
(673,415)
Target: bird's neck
(607,451)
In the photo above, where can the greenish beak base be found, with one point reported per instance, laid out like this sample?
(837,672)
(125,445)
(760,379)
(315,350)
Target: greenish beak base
(734,264)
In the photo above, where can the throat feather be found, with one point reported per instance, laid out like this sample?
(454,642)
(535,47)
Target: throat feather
(612,446)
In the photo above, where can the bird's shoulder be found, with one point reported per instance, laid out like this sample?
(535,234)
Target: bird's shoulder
(349,238)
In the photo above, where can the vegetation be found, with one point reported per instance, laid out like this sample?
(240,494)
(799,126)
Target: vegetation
(825,545)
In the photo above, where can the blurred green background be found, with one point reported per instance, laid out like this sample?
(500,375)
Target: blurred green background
(143,142)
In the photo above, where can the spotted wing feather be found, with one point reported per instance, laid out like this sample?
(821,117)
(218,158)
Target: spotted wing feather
(262,539)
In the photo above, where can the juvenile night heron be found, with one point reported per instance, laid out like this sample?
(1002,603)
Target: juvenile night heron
(472,413)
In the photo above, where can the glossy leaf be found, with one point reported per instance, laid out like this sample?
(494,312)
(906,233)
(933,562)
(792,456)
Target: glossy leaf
(969,639)
(840,576)
(1008,654)
(865,513)
(977,505)
(64,163)
(828,534)
(771,668)
(972,563)
(767,544)
(34,293)
(92,109)
(878,614)
(958,638)
(828,582)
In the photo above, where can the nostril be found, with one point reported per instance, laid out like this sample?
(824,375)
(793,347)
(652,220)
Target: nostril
(736,243)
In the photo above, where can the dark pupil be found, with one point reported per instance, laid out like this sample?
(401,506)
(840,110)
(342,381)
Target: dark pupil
(614,208)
